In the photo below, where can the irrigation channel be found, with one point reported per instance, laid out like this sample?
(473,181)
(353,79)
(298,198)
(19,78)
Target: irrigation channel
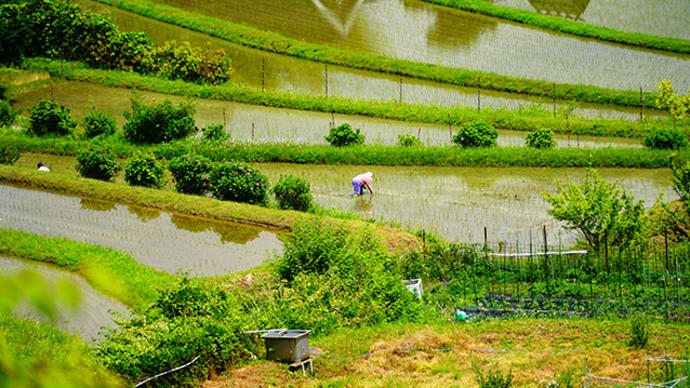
(459,202)
(660,17)
(93,311)
(418,31)
(261,69)
(263,124)
(174,243)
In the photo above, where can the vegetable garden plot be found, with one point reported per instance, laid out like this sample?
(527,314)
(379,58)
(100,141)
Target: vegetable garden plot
(170,242)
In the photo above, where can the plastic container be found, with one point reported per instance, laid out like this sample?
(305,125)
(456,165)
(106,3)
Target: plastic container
(414,286)
(287,345)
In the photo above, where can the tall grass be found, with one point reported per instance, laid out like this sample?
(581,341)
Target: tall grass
(501,118)
(555,23)
(273,42)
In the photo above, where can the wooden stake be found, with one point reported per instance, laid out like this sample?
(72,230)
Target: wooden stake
(325,72)
(263,74)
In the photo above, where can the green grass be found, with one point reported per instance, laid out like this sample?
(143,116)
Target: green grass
(367,155)
(110,271)
(519,120)
(269,41)
(559,24)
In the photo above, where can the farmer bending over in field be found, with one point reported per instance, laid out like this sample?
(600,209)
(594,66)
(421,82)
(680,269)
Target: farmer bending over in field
(362,180)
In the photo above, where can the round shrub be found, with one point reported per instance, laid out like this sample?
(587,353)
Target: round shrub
(408,140)
(97,162)
(49,118)
(540,138)
(239,182)
(98,123)
(144,170)
(215,133)
(7,114)
(8,154)
(476,134)
(292,193)
(666,139)
(158,123)
(344,135)
(191,174)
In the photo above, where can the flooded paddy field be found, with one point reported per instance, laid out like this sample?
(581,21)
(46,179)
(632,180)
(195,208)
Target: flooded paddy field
(279,72)
(659,17)
(413,30)
(93,311)
(174,243)
(264,124)
(459,202)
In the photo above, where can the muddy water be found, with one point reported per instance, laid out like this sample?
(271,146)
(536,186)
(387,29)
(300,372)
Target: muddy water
(274,124)
(93,312)
(173,243)
(459,202)
(277,72)
(413,30)
(659,17)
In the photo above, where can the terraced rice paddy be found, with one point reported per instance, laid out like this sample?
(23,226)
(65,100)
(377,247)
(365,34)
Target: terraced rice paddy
(277,72)
(262,124)
(413,30)
(659,17)
(174,243)
(93,312)
(459,202)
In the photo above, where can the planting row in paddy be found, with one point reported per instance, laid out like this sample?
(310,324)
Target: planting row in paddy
(273,42)
(569,26)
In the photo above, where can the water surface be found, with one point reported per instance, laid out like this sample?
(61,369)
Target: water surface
(93,312)
(171,242)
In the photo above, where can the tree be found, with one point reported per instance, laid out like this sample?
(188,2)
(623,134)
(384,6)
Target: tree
(596,209)
(667,99)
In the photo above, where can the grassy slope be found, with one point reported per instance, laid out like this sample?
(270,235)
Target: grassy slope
(543,348)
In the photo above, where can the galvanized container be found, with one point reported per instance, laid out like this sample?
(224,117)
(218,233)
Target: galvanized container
(287,345)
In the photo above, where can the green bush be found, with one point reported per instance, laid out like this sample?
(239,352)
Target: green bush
(292,193)
(215,133)
(158,123)
(191,174)
(666,139)
(639,335)
(182,61)
(540,138)
(476,134)
(49,118)
(7,114)
(144,170)
(681,181)
(8,154)
(98,123)
(344,135)
(97,162)
(239,182)
(493,379)
(408,140)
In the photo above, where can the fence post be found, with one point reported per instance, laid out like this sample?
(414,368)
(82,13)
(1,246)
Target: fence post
(479,94)
(400,98)
(252,132)
(325,72)
(640,103)
(225,125)
(554,100)
(450,131)
(263,74)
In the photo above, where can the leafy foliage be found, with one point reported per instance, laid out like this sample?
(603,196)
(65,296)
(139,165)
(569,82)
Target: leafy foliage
(215,133)
(681,181)
(97,122)
(476,134)
(239,182)
(677,106)
(493,379)
(596,208)
(158,123)
(639,334)
(8,154)
(191,173)
(292,193)
(49,118)
(408,140)
(343,135)
(540,138)
(666,139)
(98,162)
(7,114)
(144,170)
(182,61)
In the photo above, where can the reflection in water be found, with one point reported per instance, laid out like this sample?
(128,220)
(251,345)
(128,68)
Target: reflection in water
(569,9)
(363,204)
(152,237)
(95,204)
(341,14)
(234,233)
(93,312)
